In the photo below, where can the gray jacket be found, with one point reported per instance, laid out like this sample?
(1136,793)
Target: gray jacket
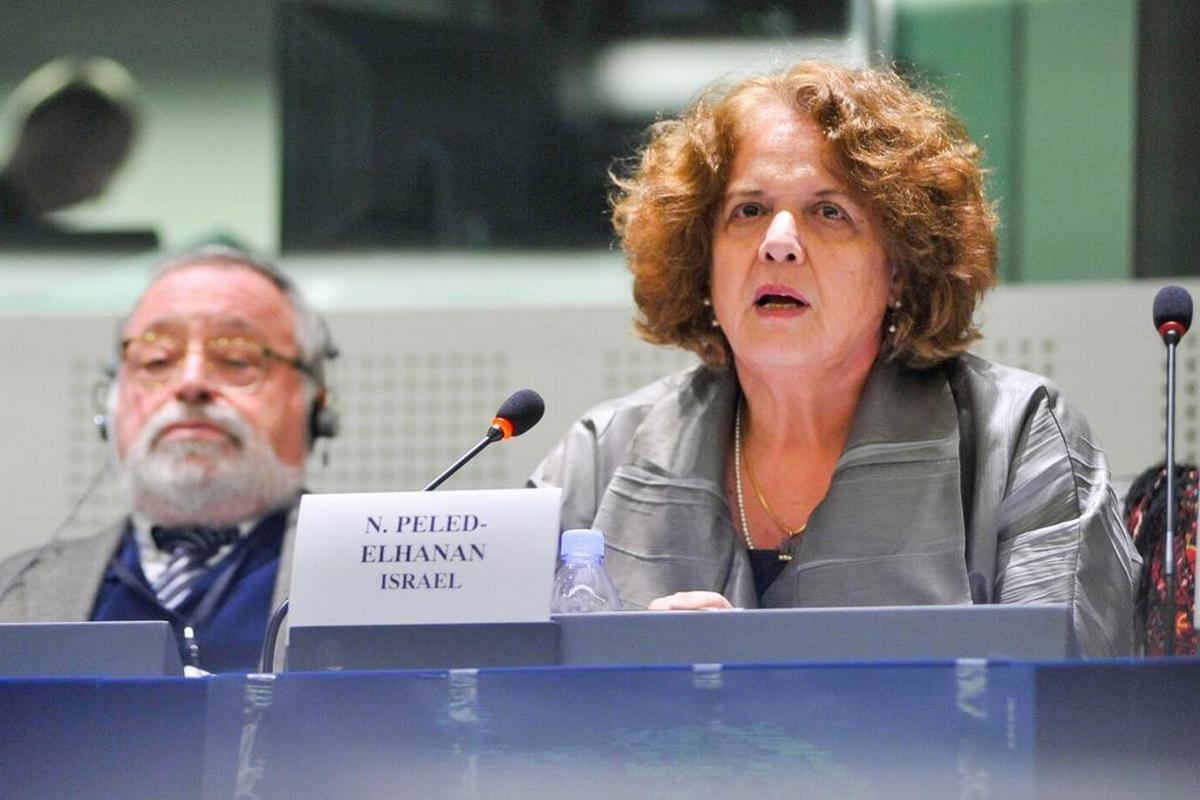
(60,583)
(967,482)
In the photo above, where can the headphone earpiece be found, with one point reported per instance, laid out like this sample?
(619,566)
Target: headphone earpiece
(324,420)
(324,423)
(104,398)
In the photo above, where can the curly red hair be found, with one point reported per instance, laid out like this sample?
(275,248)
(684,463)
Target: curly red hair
(908,158)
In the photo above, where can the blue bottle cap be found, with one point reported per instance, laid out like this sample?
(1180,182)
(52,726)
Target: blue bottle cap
(582,542)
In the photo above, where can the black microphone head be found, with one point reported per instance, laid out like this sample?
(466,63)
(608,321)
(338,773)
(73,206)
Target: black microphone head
(522,410)
(1172,311)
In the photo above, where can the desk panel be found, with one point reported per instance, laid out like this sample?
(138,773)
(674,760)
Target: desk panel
(888,730)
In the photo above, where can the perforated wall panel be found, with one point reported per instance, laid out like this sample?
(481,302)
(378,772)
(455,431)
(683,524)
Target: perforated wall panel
(416,389)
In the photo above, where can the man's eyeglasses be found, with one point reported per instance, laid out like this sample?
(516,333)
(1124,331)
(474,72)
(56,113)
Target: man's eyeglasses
(155,358)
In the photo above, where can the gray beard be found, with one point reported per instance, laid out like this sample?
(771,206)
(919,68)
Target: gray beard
(196,483)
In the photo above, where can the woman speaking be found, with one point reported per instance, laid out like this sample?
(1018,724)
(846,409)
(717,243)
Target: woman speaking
(820,238)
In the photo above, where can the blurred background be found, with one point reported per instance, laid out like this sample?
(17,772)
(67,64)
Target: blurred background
(308,126)
(434,174)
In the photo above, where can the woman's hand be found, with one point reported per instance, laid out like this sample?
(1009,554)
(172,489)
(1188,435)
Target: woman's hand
(690,601)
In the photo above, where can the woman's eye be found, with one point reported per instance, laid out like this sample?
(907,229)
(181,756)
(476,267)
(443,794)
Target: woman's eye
(830,211)
(748,210)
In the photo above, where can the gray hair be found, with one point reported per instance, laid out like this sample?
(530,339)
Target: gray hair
(312,334)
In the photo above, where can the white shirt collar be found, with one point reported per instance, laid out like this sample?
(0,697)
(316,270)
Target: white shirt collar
(154,561)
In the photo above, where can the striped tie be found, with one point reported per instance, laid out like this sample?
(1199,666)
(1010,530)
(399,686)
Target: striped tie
(190,549)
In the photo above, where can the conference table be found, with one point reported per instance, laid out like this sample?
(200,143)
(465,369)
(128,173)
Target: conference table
(819,726)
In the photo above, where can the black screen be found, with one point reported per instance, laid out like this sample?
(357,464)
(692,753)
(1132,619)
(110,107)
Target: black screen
(402,132)
(399,131)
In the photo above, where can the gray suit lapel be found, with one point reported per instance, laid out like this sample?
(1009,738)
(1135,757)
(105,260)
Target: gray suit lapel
(890,530)
(664,511)
(61,584)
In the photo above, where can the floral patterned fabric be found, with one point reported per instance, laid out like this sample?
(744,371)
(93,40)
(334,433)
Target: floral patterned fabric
(1146,519)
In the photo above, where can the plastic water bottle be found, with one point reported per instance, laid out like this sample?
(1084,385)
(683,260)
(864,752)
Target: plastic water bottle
(581,584)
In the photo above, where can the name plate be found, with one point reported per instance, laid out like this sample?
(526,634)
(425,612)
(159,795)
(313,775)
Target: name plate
(419,558)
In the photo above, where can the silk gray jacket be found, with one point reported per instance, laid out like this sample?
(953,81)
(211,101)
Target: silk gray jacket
(970,482)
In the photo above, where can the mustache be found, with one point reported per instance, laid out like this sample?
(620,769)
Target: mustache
(226,419)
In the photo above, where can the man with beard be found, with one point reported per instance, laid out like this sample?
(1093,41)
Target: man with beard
(218,397)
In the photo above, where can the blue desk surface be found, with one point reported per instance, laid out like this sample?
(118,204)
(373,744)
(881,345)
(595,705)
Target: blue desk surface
(904,729)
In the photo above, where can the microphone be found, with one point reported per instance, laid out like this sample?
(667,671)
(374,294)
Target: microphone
(520,412)
(1172,313)
(1172,318)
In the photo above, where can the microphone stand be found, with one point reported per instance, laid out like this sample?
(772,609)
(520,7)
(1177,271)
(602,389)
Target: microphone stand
(266,660)
(1172,339)
(494,434)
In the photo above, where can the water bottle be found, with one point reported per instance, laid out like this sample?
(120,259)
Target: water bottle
(581,584)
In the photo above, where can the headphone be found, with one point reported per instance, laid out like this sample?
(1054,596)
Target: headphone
(104,399)
(324,420)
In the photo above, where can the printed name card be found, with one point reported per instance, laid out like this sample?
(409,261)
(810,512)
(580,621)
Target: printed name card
(420,558)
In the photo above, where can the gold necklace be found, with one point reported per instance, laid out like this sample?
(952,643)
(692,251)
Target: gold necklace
(741,502)
(762,501)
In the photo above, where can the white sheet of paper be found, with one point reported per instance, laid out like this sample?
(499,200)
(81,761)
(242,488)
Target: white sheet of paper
(393,558)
